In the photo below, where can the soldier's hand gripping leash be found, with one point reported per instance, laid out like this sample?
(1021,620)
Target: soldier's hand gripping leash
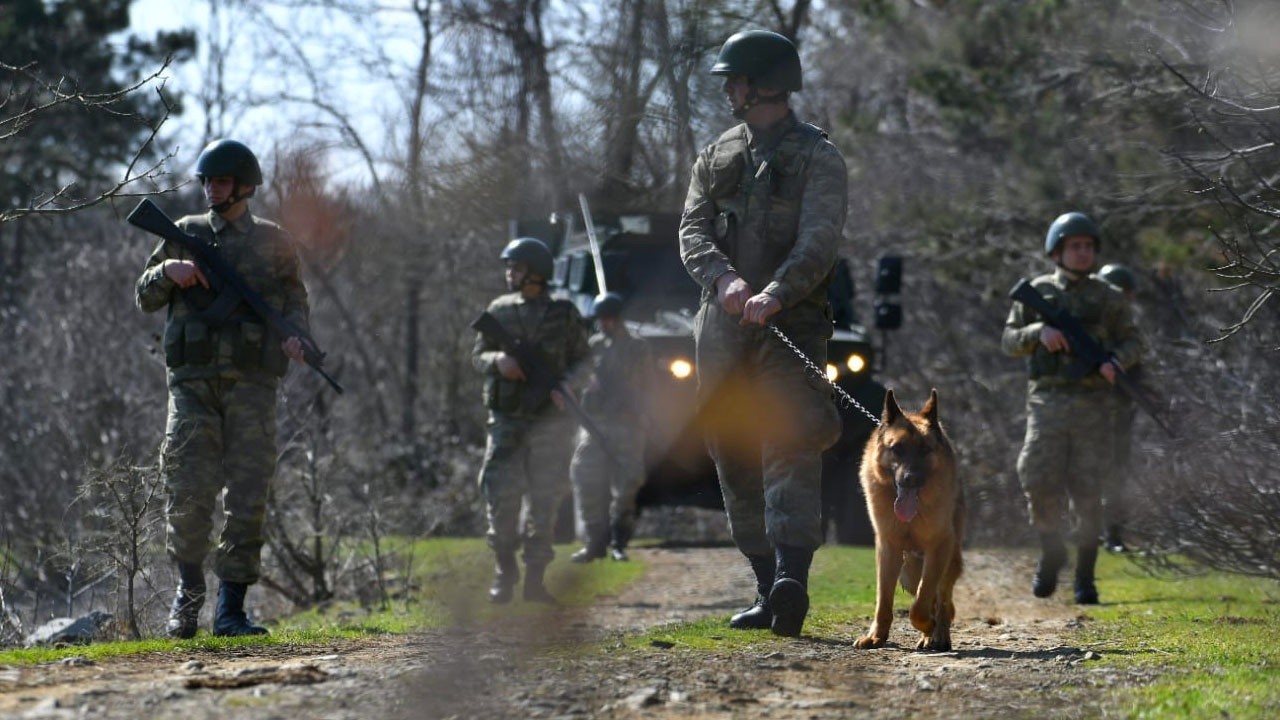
(233,288)
(539,380)
(1089,353)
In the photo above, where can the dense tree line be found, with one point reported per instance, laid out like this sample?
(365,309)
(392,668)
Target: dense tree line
(968,126)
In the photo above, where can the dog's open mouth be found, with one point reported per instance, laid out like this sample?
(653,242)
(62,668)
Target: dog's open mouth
(907,503)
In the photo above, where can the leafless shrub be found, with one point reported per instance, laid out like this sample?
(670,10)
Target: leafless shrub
(121,506)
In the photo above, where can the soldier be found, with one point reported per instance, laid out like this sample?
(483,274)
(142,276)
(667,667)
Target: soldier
(1115,507)
(1067,448)
(762,221)
(224,367)
(607,479)
(530,438)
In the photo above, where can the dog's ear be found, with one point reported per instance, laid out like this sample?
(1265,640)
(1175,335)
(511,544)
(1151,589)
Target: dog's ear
(930,408)
(891,410)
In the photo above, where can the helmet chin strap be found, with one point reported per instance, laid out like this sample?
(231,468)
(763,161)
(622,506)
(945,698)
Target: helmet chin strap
(235,197)
(754,98)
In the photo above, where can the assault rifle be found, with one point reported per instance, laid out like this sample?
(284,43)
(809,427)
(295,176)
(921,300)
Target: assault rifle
(233,288)
(1089,353)
(539,379)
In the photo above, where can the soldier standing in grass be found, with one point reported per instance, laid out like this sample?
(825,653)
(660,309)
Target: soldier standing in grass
(606,480)
(224,369)
(530,437)
(1066,453)
(762,221)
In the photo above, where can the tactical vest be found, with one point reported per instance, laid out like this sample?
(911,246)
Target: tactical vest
(757,197)
(206,330)
(549,337)
(1087,302)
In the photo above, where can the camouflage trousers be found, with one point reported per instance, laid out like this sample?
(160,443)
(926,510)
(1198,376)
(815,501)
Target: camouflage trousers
(526,466)
(1065,457)
(604,488)
(767,424)
(1114,501)
(220,437)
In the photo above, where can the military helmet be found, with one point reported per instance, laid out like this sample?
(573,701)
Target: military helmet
(769,60)
(606,305)
(229,158)
(1120,276)
(1068,225)
(533,253)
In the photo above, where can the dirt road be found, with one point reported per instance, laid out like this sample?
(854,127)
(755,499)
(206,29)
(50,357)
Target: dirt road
(1012,660)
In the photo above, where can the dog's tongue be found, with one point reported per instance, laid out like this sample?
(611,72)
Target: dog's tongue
(907,503)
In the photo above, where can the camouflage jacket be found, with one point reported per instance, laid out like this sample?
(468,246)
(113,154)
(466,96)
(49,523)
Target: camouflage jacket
(238,344)
(769,205)
(623,368)
(552,327)
(1099,307)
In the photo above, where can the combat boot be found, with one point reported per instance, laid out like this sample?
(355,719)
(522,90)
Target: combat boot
(1086,590)
(229,618)
(620,536)
(1053,555)
(594,543)
(506,573)
(789,597)
(534,589)
(1112,539)
(758,616)
(184,616)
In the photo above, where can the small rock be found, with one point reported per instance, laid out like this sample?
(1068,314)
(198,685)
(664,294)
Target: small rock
(72,631)
(77,661)
(642,698)
(192,666)
(663,644)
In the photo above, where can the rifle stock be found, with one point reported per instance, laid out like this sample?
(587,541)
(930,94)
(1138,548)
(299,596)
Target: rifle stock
(539,379)
(1089,351)
(148,216)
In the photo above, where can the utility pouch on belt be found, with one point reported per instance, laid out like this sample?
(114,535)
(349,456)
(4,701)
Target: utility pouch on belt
(174,344)
(246,352)
(501,395)
(274,360)
(197,343)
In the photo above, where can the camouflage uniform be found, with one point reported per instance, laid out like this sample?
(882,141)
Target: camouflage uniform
(770,206)
(1066,454)
(224,367)
(605,488)
(530,441)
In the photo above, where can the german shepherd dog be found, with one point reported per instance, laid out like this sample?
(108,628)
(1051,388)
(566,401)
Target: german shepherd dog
(917,507)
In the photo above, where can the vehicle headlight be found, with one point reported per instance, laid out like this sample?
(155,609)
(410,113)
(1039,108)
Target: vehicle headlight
(856,364)
(832,372)
(680,369)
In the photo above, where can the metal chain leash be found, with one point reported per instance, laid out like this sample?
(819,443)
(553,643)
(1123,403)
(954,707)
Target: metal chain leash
(846,400)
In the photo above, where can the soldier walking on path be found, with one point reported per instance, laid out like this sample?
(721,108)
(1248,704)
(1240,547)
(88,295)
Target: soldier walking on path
(1067,450)
(530,437)
(1115,505)
(762,221)
(224,367)
(607,479)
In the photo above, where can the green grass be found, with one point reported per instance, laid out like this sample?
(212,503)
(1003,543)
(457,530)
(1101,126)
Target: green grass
(433,583)
(1215,640)
(842,587)
(1211,644)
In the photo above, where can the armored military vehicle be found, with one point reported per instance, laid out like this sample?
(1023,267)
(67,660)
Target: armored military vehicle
(641,260)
